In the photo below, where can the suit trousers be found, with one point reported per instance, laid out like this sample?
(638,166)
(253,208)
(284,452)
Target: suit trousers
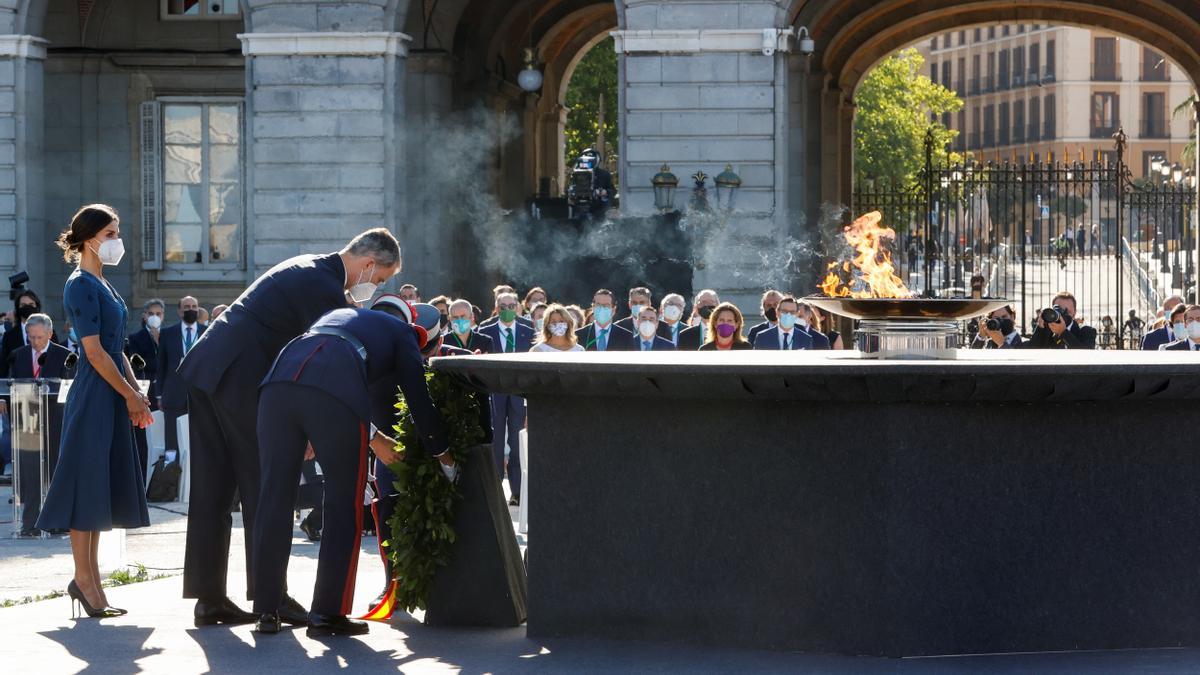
(290,416)
(224,465)
(382,510)
(508,418)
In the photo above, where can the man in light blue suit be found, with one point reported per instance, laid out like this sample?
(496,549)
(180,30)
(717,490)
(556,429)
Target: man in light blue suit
(508,412)
(787,334)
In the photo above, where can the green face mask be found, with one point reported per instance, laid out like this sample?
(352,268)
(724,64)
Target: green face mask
(508,315)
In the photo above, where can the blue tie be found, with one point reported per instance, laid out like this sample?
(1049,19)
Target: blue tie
(645,346)
(602,340)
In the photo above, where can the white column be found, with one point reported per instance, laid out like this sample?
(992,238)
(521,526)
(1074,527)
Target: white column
(22,223)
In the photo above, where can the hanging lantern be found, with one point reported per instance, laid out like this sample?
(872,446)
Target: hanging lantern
(728,184)
(529,79)
(664,183)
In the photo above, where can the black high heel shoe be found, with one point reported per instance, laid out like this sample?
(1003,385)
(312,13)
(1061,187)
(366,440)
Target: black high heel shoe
(78,599)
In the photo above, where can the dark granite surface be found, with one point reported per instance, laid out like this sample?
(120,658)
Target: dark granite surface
(948,510)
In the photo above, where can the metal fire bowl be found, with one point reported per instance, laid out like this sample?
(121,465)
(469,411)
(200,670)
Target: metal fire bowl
(913,309)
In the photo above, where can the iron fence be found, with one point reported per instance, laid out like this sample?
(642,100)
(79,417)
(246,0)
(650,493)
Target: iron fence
(1027,230)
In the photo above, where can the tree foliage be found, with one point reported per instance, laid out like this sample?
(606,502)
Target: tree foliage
(894,105)
(596,74)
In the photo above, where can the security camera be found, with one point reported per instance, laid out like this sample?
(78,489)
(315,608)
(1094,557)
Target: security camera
(804,43)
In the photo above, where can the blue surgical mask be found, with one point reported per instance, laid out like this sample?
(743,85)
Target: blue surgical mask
(602,314)
(1180,329)
(787,320)
(461,325)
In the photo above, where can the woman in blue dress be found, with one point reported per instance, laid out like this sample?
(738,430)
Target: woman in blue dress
(97,484)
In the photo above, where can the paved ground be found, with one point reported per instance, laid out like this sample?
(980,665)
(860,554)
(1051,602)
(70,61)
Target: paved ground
(158,637)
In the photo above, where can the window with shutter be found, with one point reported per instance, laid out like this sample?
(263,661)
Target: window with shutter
(151,170)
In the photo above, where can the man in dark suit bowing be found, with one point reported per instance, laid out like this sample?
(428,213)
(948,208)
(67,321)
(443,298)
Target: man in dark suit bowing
(648,339)
(602,335)
(40,358)
(1191,340)
(174,342)
(508,412)
(702,307)
(787,335)
(223,371)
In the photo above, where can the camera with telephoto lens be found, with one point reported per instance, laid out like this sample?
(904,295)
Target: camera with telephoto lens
(16,284)
(1053,314)
(1003,326)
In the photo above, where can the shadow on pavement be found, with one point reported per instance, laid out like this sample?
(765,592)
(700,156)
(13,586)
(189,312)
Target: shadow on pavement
(105,648)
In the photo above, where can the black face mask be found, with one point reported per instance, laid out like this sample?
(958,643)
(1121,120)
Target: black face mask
(190,315)
(445,319)
(706,312)
(771,314)
(26,311)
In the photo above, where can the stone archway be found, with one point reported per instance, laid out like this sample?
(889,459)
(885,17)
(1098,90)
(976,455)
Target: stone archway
(852,35)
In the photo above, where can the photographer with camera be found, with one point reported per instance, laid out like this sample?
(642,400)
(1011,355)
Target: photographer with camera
(1056,327)
(998,330)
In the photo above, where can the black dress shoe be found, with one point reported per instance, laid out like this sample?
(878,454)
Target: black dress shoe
(334,624)
(292,612)
(515,501)
(313,533)
(212,612)
(268,623)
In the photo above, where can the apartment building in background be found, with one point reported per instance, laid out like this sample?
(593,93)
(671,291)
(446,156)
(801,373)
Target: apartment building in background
(1057,93)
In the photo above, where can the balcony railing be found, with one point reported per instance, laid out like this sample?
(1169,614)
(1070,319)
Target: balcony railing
(989,84)
(1018,80)
(1154,128)
(974,87)
(1105,131)
(1003,83)
(1106,72)
(1033,78)
(1048,76)
(1156,74)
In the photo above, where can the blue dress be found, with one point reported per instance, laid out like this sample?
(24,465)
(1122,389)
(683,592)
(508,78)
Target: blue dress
(97,484)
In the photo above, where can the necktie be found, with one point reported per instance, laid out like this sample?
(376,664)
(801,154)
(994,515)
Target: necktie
(602,340)
(787,341)
(645,345)
(510,341)
(187,340)
(37,367)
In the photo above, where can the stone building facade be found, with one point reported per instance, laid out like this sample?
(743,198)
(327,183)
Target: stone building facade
(231,134)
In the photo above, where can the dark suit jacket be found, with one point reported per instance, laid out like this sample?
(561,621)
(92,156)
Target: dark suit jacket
(1156,338)
(237,349)
(769,339)
(1179,345)
(664,331)
(627,324)
(493,320)
(142,344)
(20,362)
(13,339)
(332,364)
(475,341)
(658,345)
(524,339)
(1075,337)
(619,339)
(689,339)
(756,329)
(172,388)
(819,341)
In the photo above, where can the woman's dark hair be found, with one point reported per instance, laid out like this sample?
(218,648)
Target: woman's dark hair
(86,223)
(27,294)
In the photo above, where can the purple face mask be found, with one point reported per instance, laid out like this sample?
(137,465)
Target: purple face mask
(726,330)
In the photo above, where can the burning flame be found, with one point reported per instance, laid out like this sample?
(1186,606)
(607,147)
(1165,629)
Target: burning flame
(871,273)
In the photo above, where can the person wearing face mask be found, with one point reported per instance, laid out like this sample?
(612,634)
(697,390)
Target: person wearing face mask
(787,335)
(1188,327)
(461,334)
(442,304)
(1173,309)
(538,315)
(648,339)
(27,304)
(703,305)
(222,371)
(725,330)
(144,344)
(534,296)
(558,334)
(98,483)
(770,314)
(601,335)
(508,412)
(672,318)
(808,323)
(638,298)
(174,343)
(496,293)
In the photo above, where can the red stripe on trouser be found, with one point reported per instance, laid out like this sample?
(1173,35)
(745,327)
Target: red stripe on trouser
(360,485)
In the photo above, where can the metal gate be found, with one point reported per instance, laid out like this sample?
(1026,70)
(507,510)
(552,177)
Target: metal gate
(1031,229)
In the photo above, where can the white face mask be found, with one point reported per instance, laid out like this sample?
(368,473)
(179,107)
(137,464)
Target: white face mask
(1180,328)
(1194,330)
(647,329)
(363,290)
(539,324)
(153,321)
(111,251)
(672,313)
(558,329)
(802,322)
